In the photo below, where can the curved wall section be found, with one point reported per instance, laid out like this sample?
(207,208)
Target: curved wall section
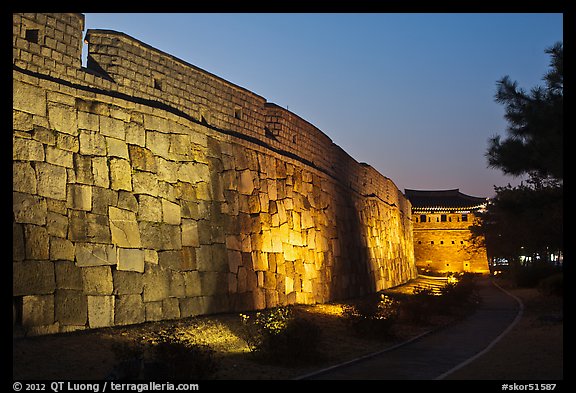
(146,189)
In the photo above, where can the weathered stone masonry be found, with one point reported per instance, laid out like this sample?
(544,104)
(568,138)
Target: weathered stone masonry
(145,189)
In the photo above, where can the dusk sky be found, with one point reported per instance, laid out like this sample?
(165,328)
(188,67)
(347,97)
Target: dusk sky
(410,94)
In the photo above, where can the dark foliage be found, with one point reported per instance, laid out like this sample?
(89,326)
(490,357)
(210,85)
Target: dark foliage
(373,316)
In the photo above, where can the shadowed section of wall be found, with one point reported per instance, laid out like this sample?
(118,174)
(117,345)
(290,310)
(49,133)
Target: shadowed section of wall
(148,189)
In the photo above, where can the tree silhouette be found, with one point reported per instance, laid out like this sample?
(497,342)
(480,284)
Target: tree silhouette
(534,145)
(527,219)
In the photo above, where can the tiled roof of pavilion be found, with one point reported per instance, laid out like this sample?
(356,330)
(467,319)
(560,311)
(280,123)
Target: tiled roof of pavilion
(443,200)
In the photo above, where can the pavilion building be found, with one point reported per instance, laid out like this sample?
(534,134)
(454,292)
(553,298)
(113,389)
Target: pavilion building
(442,238)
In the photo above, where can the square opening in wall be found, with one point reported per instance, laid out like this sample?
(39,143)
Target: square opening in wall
(32,35)
(157,84)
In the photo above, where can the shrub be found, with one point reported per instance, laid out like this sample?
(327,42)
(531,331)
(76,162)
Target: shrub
(166,355)
(458,295)
(552,285)
(530,276)
(278,336)
(420,307)
(262,324)
(179,360)
(373,316)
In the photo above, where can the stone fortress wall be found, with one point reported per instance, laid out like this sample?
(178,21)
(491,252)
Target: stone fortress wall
(146,189)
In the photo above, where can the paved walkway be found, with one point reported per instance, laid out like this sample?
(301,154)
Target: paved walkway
(434,355)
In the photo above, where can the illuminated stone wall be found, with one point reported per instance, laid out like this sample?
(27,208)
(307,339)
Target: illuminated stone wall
(147,189)
(447,246)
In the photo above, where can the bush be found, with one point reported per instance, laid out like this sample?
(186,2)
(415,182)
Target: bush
(178,360)
(278,336)
(530,276)
(165,356)
(372,317)
(420,307)
(458,294)
(552,285)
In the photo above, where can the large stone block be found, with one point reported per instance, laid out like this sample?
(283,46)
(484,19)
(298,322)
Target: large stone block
(51,180)
(156,285)
(77,226)
(171,308)
(159,236)
(127,201)
(234,260)
(188,260)
(27,150)
(100,172)
(158,143)
(180,147)
(112,127)
(190,233)
(61,249)
(92,143)
(149,208)
(259,261)
(57,224)
(92,254)
(143,160)
(71,307)
(68,275)
(135,133)
(22,121)
(120,174)
(63,119)
(102,198)
(100,311)
(171,260)
(191,307)
(171,212)
(127,282)
(215,304)
(37,310)
(167,170)
(88,121)
(213,283)
(36,242)
(68,142)
(28,98)
(83,169)
(145,183)
(23,177)
(117,148)
(246,182)
(177,285)
(129,309)
(192,283)
(18,245)
(97,280)
(29,209)
(130,259)
(153,311)
(79,197)
(124,228)
(193,172)
(57,156)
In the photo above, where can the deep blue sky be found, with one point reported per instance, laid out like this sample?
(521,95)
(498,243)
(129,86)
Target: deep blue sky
(410,94)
